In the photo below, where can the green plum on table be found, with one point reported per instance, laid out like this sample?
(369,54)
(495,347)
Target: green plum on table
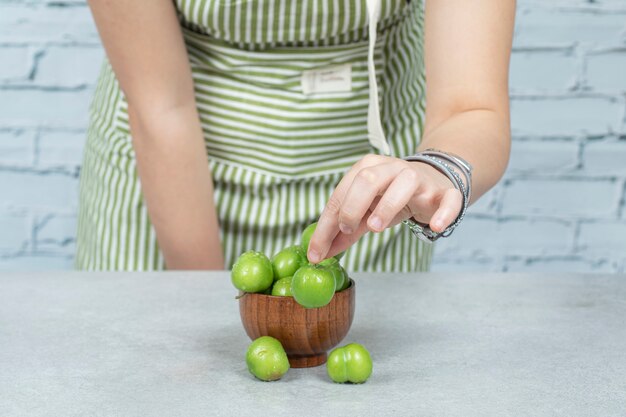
(350,363)
(266,359)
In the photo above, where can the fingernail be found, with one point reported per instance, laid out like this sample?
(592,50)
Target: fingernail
(314,256)
(376,222)
(345,228)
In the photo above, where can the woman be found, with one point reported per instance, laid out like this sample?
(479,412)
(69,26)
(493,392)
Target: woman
(245,116)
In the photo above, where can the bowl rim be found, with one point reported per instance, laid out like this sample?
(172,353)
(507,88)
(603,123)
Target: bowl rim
(244,293)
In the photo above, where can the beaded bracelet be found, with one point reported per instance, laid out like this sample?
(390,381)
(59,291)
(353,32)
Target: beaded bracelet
(462,165)
(423,231)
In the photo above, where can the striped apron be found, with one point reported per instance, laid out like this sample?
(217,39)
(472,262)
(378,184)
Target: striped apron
(279,136)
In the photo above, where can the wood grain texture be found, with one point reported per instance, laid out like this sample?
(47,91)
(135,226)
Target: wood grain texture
(305,333)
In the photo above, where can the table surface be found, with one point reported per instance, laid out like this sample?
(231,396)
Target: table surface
(172,344)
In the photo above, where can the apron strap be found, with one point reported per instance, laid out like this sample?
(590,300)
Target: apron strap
(375,132)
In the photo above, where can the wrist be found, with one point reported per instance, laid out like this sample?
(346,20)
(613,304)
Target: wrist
(457,164)
(459,173)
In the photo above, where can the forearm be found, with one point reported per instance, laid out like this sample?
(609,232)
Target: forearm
(177,187)
(467,49)
(145,45)
(479,136)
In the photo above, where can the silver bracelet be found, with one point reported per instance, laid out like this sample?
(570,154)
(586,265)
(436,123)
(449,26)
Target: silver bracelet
(461,164)
(440,161)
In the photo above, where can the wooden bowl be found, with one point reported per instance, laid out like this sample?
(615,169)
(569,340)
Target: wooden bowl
(306,333)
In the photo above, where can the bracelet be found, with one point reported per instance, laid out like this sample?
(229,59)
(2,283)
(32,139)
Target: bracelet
(462,165)
(423,231)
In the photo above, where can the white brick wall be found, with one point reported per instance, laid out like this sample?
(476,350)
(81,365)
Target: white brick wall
(49,58)
(561,206)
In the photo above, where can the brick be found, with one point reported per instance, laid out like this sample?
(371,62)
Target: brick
(546,156)
(605,157)
(603,237)
(490,236)
(466,265)
(17,148)
(487,203)
(562,198)
(19,108)
(606,6)
(544,26)
(571,116)
(37,263)
(56,233)
(15,63)
(572,264)
(607,72)
(27,189)
(542,71)
(61,149)
(593,6)
(15,234)
(44,24)
(69,66)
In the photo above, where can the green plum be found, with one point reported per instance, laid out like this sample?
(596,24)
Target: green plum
(333,266)
(286,262)
(266,359)
(306,239)
(252,272)
(306,236)
(346,280)
(313,286)
(350,363)
(282,287)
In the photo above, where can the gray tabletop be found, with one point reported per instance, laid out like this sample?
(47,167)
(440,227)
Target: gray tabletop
(172,344)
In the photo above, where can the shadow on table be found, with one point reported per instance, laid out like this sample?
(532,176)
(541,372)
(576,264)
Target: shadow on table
(385,344)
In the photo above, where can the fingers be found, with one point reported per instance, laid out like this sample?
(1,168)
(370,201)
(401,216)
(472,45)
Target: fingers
(394,200)
(449,208)
(417,190)
(328,223)
(326,230)
(367,185)
(342,241)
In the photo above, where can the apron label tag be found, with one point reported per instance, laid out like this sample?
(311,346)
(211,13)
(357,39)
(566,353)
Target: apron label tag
(335,79)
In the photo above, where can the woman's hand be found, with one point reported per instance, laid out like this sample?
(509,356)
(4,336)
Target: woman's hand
(467,48)
(379,192)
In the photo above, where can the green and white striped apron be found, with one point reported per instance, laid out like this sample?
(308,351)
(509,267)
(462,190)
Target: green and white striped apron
(277,143)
